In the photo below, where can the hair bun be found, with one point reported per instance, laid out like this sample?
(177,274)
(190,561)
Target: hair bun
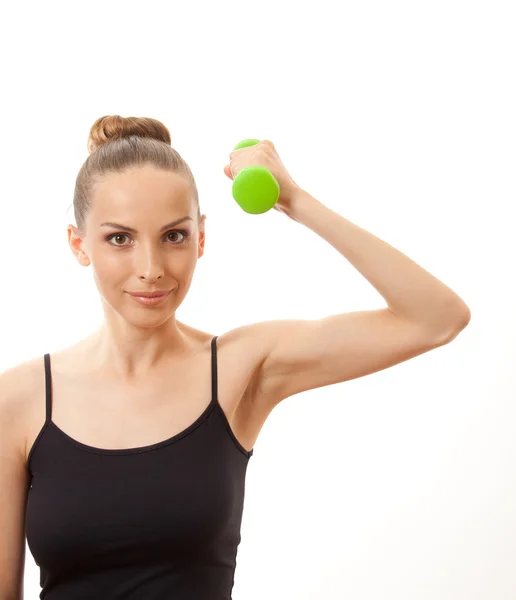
(113,127)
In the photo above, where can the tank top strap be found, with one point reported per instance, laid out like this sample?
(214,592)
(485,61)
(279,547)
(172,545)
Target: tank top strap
(48,378)
(214,386)
(48,388)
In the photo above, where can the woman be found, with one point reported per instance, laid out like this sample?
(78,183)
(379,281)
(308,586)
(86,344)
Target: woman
(130,485)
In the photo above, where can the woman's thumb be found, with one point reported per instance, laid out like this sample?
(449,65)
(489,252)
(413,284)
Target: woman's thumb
(227,172)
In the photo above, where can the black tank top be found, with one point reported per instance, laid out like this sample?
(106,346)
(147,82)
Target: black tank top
(158,522)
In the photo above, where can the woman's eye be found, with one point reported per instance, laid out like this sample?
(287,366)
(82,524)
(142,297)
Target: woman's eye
(183,233)
(117,236)
(120,236)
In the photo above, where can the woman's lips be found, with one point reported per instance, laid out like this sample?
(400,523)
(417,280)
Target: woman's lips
(154,301)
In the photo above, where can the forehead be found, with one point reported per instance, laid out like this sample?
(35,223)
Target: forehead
(141,188)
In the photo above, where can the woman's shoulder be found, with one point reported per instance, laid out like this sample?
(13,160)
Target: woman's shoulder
(240,340)
(240,351)
(18,384)
(17,380)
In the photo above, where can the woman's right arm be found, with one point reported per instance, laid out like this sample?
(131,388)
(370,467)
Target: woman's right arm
(14,486)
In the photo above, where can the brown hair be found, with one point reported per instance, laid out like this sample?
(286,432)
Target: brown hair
(118,143)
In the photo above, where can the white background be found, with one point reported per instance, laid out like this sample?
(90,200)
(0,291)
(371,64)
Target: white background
(398,115)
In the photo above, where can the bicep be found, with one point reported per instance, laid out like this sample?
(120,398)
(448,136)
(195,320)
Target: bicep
(308,354)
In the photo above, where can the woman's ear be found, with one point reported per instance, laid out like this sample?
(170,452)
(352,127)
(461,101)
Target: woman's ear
(76,244)
(202,234)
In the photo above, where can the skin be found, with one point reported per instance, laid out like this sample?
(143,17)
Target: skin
(135,340)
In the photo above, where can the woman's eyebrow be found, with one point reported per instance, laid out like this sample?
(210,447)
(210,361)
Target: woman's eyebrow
(167,226)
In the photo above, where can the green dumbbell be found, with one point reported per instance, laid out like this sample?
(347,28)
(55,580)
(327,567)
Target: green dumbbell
(255,188)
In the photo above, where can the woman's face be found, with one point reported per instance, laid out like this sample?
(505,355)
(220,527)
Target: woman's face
(133,245)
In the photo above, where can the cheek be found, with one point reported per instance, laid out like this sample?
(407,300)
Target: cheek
(109,269)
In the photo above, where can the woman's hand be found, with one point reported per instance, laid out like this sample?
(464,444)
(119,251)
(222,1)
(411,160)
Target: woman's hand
(264,154)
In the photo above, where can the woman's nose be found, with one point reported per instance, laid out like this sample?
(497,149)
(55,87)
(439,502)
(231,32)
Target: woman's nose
(149,264)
